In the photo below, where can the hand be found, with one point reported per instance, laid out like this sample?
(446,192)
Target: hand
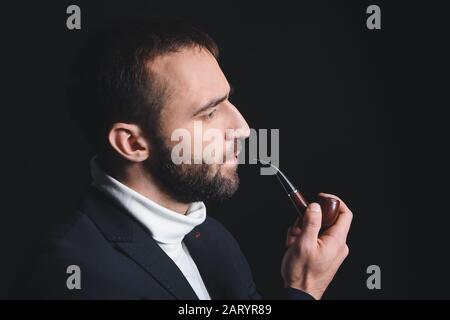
(311,261)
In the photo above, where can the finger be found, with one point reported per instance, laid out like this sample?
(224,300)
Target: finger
(295,231)
(292,234)
(290,240)
(342,225)
(298,222)
(312,221)
(342,205)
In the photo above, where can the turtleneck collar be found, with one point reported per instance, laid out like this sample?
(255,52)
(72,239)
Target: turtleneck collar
(166,226)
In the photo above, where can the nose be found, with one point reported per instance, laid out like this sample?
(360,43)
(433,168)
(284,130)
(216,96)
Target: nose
(241,129)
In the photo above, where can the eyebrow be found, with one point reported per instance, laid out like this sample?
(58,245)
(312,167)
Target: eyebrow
(214,102)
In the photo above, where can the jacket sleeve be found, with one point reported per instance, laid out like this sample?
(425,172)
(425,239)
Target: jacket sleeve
(295,294)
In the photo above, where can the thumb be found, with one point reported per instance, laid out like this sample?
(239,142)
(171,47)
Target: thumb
(312,221)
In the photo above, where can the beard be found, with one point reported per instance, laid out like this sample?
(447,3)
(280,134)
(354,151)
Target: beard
(188,183)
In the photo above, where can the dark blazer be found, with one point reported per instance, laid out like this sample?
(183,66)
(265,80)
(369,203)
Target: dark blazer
(119,259)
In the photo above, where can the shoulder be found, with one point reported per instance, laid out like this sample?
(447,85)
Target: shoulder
(75,246)
(77,237)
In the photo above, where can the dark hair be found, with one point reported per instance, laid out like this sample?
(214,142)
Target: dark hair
(110,83)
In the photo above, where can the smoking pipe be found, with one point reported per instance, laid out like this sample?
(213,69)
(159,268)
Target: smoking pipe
(329,206)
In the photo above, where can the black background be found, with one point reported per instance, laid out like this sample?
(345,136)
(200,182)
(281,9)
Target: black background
(361,113)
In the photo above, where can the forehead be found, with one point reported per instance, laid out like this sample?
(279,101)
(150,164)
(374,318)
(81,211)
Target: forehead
(191,74)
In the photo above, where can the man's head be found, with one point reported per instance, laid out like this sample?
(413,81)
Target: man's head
(133,87)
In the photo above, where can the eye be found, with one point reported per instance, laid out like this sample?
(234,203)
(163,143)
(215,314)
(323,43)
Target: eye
(211,114)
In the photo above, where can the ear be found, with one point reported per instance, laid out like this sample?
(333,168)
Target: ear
(128,140)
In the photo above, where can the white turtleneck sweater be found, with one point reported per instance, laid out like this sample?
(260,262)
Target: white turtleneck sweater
(167,227)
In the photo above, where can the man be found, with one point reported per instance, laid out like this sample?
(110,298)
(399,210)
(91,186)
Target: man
(142,231)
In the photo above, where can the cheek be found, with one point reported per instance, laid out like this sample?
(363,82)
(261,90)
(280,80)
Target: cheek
(206,142)
(214,146)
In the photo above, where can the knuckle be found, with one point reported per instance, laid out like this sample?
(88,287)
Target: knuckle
(341,246)
(346,250)
(350,214)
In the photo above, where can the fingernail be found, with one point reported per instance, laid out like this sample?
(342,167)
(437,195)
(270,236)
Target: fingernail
(314,207)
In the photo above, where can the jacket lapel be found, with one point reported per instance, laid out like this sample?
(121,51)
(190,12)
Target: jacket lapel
(218,273)
(131,238)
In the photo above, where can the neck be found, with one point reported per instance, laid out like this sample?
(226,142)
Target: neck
(136,178)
